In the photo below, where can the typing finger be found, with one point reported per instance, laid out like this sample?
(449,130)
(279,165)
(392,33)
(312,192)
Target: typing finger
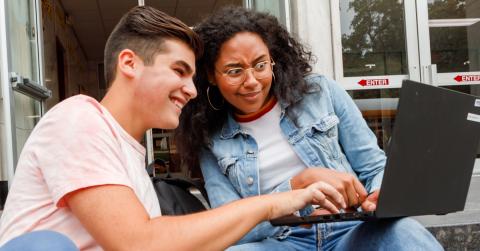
(329,192)
(328,205)
(351,192)
(360,189)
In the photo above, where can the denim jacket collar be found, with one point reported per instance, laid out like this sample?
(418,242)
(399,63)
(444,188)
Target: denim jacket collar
(231,128)
(312,88)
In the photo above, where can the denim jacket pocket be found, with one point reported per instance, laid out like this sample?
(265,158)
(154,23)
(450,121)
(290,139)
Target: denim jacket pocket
(229,167)
(324,135)
(227,164)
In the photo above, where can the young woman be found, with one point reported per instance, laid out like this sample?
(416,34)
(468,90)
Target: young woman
(262,124)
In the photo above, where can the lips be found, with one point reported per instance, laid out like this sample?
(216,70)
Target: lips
(178,102)
(250,94)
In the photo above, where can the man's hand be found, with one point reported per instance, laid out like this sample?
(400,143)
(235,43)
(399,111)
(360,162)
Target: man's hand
(370,203)
(319,193)
(347,184)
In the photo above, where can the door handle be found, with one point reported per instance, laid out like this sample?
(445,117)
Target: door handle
(429,74)
(29,87)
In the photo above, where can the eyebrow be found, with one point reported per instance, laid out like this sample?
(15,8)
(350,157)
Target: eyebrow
(185,65)
(240,65)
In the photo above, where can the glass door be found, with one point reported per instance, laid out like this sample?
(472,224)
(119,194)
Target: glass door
(450,41)
(24,93)
(375,47)
(375,43)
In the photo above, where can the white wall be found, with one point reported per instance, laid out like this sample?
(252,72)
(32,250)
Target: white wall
(311,23)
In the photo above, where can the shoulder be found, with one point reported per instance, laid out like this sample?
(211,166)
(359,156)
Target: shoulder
(75,113)
(320,100)
(75,106)
(319,88)
(322,87)
(74,120)
(317,82)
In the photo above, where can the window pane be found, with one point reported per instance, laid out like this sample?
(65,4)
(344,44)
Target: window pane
(164,148)
(274,7)
(23,41)
(379,108)
(27,115)
(373,37)
(452,9)
(455,35)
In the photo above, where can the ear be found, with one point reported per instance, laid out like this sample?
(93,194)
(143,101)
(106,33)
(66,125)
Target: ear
(128,63)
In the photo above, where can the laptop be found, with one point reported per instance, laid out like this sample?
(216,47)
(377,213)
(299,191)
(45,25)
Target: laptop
(430,158)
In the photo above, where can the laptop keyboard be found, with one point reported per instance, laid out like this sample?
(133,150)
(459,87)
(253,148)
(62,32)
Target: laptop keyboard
(296,220)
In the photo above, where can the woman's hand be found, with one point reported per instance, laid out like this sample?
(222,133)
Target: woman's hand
(318,193)
(347,184)
(370,203)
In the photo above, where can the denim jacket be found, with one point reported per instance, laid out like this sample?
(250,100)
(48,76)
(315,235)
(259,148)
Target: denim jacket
(325,129)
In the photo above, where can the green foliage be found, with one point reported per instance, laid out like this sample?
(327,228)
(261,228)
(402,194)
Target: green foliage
(377,37)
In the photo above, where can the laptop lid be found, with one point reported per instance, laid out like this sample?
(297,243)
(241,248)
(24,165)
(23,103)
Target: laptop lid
(432,152)
(430,158)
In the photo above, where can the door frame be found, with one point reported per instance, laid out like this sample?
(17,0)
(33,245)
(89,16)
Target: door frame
(7,78)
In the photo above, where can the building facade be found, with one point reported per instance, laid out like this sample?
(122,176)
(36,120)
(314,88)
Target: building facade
(52,49)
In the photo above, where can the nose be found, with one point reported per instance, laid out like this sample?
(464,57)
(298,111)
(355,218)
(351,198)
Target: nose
(190,90)
(250,79)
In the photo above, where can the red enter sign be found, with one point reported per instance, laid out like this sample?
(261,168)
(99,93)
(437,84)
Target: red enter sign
(374,82)
(467,78)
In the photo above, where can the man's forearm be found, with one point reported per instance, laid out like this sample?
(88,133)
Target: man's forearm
(209,230)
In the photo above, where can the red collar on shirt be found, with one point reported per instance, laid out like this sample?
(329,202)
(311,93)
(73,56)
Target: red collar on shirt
(242,118)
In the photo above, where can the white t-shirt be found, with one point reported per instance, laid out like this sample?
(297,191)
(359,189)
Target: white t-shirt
(77,144)
(277,161)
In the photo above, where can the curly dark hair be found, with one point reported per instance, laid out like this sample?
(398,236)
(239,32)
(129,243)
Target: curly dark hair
(198,120)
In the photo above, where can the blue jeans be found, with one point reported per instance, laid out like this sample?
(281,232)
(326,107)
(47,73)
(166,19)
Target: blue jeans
(40,241)
(397,234)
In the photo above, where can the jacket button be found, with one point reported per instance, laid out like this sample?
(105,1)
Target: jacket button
(249,180)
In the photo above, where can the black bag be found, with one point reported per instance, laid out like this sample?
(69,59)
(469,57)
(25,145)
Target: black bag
(175,198)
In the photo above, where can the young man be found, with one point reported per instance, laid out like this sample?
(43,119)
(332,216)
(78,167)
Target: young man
(82,171)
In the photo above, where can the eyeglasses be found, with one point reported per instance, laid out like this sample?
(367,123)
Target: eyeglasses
(236,76)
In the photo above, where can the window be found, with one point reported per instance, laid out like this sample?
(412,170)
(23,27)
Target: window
(373,38)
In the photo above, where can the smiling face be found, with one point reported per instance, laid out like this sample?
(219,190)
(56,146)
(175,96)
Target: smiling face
(244,50)
(166,86)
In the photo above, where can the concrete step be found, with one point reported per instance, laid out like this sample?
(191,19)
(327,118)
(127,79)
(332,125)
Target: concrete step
(461,230)
(458,237)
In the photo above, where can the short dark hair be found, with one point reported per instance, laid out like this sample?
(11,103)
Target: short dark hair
(143,30)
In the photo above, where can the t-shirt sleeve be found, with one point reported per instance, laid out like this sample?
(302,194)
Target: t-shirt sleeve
(77,149)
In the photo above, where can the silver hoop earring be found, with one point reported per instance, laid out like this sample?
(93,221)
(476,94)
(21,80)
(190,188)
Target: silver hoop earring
(273,75)
(210,102)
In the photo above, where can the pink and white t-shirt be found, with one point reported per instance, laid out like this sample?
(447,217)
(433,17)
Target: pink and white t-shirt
(77,144)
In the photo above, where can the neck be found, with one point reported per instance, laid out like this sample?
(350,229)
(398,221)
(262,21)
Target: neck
(119,102)
(269,104)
